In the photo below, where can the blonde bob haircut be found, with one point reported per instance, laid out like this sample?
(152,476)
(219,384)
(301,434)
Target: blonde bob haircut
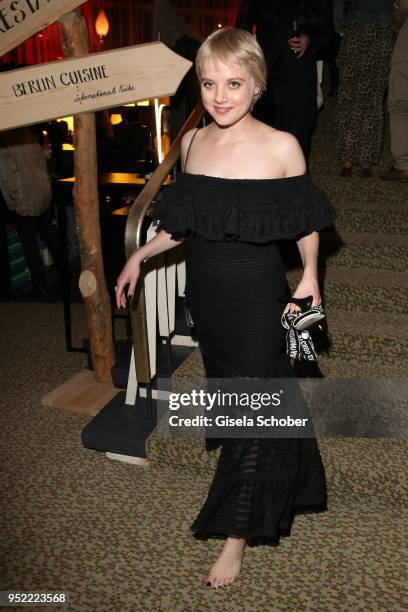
(234,45)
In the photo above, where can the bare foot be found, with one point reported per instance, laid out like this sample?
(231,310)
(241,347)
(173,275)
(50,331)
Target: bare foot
(227,567)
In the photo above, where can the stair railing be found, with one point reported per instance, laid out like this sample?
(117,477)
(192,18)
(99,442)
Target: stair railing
(140,366)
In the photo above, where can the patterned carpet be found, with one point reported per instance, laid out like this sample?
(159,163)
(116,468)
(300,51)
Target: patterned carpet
(116,537)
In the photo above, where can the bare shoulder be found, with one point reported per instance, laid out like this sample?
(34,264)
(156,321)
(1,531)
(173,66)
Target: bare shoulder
(284,139)
(188,136)
(185,141)
(290,154)
(284,148)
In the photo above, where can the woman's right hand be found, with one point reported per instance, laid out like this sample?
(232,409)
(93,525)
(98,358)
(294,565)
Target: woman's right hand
(159,244)
(128,276)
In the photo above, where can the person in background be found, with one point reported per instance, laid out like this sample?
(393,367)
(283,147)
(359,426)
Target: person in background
(289,33)
(188,92)
(364,64)
(331,52)
(131,138)
(398,96)
(105,142)
(26,189)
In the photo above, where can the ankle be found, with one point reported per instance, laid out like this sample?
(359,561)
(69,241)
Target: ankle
(235,543)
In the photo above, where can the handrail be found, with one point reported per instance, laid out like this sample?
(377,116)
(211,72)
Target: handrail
(133,238)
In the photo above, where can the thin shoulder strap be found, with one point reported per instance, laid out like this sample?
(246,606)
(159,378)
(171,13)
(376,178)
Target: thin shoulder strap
(189,147)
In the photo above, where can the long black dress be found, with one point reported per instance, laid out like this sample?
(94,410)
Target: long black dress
(236,290)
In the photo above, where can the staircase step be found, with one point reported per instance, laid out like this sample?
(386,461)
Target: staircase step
(398,206)
(374,221)
(339,365)
(375,338)
(343,239)
(380,324)
(351,464)
(373,193)
(356,331)
(354,251)
(370,290)
(336,365)
(366,256)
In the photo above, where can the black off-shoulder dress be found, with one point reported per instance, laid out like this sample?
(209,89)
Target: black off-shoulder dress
(236,290)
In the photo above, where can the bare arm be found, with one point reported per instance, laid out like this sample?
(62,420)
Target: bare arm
(308,247)
(130,273)
(294,164)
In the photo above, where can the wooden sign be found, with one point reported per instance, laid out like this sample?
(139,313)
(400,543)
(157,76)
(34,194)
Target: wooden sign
(20,19)
(93,82)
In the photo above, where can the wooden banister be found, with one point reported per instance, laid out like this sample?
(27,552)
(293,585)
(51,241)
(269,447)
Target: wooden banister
(133,241)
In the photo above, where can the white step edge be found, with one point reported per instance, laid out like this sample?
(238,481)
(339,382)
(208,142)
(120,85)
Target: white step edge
(156,393)
(141,461)
(179,340)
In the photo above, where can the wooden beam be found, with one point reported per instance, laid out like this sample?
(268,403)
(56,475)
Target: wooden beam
(20,20)
(96,81)
(92,281)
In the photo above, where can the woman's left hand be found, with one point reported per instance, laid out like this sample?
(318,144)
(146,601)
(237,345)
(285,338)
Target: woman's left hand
(307,286)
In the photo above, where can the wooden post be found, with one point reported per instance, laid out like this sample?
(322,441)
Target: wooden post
(92,282)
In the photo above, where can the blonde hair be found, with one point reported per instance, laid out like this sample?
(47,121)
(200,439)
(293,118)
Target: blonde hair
(234,45)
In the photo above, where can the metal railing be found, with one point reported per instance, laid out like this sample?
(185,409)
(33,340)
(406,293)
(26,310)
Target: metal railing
(133,241)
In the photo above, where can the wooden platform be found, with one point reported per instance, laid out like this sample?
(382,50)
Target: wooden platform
(81,394)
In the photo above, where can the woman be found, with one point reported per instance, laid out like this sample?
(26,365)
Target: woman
(364,63)
(243,187)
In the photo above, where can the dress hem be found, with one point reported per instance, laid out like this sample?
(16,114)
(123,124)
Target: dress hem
(259,538)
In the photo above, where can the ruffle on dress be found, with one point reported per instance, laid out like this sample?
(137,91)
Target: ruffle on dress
(248,210)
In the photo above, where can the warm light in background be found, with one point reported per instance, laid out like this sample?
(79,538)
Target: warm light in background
(165,101)
(158,109)
(116,118)
(101,24)
(69,121)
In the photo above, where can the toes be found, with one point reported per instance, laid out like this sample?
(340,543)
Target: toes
(216,582)
(220,582)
